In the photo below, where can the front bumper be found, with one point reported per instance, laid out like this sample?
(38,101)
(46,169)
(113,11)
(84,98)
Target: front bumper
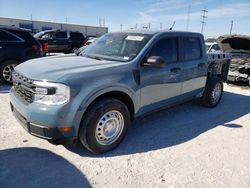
(51,134)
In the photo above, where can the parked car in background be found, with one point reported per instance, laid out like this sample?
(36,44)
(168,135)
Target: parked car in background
(90,41)
(239,47)
(87,43)
(61,41)
(212,47)
(16,46)
(89,37)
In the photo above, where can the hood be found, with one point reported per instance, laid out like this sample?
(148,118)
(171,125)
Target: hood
(55,67)
(234,43)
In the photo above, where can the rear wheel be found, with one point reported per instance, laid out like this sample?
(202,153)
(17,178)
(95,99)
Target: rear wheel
(104,125)
(74,49)
(213,92)
(6,69)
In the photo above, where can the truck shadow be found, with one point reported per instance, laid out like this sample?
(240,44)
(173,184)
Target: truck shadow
(177,125)
(33,167)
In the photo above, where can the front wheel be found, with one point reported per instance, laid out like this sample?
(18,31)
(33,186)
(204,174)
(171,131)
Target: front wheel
(104,125)
(213,92)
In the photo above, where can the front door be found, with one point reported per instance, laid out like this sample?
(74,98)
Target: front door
(161,86)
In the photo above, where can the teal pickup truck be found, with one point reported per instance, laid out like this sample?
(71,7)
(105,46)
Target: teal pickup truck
(93,97)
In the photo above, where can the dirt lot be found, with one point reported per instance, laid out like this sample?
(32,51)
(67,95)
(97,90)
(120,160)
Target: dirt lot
(184,146)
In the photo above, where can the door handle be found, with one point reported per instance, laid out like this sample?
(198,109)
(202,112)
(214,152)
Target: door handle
(201,64)
(175,69)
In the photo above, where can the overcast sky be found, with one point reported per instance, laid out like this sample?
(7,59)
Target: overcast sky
(141,12)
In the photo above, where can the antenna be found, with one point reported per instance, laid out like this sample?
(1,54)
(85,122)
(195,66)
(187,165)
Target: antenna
(204,18)
(231,27)
(171,28)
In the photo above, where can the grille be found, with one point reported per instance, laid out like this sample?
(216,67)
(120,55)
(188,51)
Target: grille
(23,87)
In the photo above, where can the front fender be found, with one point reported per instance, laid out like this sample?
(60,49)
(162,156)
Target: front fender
(93,95)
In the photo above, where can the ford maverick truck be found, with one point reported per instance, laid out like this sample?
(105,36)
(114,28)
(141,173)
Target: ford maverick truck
(93,97)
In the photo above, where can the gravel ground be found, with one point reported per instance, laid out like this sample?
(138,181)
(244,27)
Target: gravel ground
(184,146)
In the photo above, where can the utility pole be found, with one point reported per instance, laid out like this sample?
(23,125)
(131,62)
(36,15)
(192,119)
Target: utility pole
(103,22)
(136,26)
(204,18)
(66,20)
(160,26)
(188,17)
(121,26)
(31,17)
(149,26)
(100,21)
(231,27)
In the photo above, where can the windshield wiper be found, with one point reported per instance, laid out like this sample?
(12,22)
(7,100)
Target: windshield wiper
(94,57)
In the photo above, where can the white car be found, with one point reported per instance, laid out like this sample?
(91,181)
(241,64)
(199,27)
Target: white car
(212,47)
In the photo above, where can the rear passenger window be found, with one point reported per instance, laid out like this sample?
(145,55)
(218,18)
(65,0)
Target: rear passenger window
(191,48)
(76,36)
(7,37)
(166,48)
(61,35)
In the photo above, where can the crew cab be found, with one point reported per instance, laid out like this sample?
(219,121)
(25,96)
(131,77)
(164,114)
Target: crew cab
(93,97)
(61,41)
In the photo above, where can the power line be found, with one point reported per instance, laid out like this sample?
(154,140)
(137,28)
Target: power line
(204,18)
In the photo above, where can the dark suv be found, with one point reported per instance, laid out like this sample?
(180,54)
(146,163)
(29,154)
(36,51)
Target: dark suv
(62,41)
(16,46)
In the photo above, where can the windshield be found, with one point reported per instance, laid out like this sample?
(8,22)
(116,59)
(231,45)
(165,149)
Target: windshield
(117,46)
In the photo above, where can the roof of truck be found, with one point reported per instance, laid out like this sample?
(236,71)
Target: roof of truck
(14,28)
(152,32)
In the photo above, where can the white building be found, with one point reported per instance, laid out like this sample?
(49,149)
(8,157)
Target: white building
(37,26)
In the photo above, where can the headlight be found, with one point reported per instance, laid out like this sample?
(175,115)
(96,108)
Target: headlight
(51,93)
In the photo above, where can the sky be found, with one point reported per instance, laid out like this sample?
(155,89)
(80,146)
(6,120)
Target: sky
(138,14)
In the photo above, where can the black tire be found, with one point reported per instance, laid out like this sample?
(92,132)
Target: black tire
(6,69)
(209,98)
(90,122)
(74,49)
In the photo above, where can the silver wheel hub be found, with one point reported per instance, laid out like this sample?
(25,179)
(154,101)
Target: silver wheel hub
(216,93)
(109,127)
(7,71)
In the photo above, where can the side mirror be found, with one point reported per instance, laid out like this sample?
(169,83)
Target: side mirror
(155,61)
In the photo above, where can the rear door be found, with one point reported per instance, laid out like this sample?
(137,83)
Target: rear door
(162,86)
(194,65)
(11,46)
(62,41)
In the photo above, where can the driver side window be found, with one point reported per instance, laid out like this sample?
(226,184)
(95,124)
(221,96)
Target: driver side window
(167,48)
